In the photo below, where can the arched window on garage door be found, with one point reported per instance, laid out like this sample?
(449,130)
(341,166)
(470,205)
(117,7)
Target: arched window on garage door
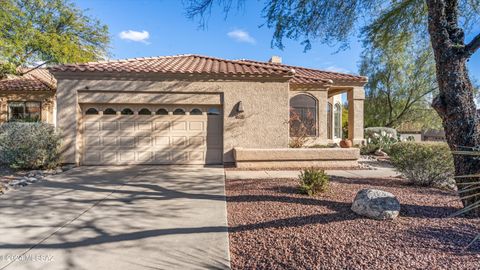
(303,115)
(127,111)
(91,111)
(179,112)
(196,112)
(109,111)
(144,111)
(162,112)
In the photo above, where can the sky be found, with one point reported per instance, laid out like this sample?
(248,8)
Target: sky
(146,28)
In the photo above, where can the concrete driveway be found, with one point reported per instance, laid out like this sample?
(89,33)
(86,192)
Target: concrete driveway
(138,217)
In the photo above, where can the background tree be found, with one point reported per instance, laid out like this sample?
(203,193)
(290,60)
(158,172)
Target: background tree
(401,84)
(53,31)
(444,22)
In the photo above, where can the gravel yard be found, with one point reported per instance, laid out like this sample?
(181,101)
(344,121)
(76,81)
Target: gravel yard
(274,227)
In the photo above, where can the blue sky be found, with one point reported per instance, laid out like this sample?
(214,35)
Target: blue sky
(145,28)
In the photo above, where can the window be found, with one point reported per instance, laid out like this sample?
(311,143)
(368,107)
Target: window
(144,111)
(303,116)
(213,111)
(337,121)
(179,112)
(24,111)
(162,112)
(91,111)
(196,112)
(109,111)
(127,111)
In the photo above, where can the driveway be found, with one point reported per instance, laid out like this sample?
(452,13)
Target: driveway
(137,217)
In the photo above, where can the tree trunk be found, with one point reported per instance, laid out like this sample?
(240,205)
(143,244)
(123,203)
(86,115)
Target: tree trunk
(455,102)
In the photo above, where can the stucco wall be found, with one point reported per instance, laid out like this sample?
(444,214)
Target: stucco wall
(264,122)
(46,98)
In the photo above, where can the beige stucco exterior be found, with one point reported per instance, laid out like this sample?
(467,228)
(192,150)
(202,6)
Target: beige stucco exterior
(262,124)
(296,158)
(47,99)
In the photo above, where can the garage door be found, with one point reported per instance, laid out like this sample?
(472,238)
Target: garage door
(119,135)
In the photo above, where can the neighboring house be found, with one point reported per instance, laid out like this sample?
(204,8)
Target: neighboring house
(191,109)
(29,96)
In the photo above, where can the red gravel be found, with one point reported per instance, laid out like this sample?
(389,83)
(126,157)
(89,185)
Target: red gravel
(273,227)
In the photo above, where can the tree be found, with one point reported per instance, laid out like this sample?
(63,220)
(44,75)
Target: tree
(48,31)
(444,22)
(401,83)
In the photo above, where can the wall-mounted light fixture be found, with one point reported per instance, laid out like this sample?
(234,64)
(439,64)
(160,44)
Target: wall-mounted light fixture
(240,107)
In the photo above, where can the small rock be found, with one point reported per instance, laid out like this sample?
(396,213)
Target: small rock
(376,204)
(32,179)
(58,170)
(380,153)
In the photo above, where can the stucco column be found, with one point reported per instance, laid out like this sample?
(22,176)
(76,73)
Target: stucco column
(67,118)
(356,97)
(322,97)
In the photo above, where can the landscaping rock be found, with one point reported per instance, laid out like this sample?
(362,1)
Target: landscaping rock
(376,204)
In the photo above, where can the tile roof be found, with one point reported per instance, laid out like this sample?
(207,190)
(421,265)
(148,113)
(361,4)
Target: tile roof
(196,64)
(29,80)
(186,64)
(308,75)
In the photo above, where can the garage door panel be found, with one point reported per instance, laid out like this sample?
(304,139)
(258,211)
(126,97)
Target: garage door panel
(179,126)
(179,140)
(127,141)
(92,141)
(109,125)
(109,140)
(162,125)
(152,139)
(144,126)
(162,140)
(144,141)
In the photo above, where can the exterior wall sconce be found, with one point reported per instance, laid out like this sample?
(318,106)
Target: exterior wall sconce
(240,107)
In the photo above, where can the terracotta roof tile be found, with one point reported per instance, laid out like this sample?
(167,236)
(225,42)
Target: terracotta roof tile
(196,64)
(29,80)
(308,75)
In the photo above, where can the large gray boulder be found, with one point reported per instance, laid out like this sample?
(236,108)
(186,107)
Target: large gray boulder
(376,204)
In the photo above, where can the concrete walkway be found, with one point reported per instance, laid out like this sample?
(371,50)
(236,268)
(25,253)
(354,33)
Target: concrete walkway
(141,217)
(381,172)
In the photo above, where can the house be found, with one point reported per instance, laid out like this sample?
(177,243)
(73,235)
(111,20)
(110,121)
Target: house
(192,109)
(29,96)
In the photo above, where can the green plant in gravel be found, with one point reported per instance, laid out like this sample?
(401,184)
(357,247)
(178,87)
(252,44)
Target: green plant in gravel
(382,140)
(313,181)
(29,145)
(423,163)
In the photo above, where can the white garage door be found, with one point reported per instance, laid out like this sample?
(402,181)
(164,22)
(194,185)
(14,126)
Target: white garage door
(123,134)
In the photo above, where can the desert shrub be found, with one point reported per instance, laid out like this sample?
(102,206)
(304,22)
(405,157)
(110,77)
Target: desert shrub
(300,128)
(313,180)
(371,131)
(29,145)
(383,141)
(423,163)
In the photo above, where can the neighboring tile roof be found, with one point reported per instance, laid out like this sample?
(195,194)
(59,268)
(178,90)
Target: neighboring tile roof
(196,64)
(35,80)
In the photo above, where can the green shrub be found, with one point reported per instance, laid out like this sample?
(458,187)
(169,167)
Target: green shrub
(423,163)
(29,145)
(313,181)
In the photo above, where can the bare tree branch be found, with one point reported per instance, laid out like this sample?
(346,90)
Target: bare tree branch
(473,46)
